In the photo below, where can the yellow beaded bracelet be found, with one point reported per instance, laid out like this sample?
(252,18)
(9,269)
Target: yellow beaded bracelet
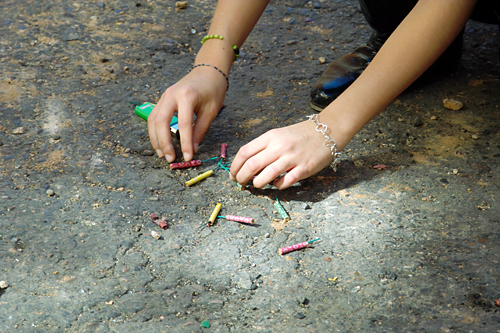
(234,46)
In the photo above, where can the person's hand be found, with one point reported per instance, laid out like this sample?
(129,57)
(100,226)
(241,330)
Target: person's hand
(200,92)
(298,150)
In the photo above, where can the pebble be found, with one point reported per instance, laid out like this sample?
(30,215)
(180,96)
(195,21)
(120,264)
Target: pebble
(155,234)
(322,60)
(153,198)
(3,284)
(19,130)
(49,192)
(300,315)
(147,152)
(452,104)
(181,4)
(245,283)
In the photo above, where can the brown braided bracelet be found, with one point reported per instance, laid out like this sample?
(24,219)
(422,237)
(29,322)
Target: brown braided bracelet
(225,76)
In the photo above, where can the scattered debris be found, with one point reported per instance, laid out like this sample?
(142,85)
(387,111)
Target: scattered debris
(67,278)
(155,234)
(484,206)
(380,167)
(205,324)
(452,104)
(162,223)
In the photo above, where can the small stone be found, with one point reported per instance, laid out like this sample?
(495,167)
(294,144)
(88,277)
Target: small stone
(181,4)
(452,104)
(475,136)
(153,198)
(455,171)
(3,285)
(305,205)
(147,152)
(322,60)
(245,283)
(355,289)
(19,130)
(155,234)
(300,315)
(49,192)
(433,118)
(417,121)
(328,259)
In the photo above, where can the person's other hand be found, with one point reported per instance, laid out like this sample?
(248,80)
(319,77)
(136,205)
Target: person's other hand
(298,150)
(200,92)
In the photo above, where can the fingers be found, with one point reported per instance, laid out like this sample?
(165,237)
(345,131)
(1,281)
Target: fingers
(159,128)
(186,124)
(201,125)
(290,178)
(272,171)
(246,157)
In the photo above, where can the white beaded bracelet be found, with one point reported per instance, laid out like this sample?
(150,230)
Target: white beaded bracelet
(329,142)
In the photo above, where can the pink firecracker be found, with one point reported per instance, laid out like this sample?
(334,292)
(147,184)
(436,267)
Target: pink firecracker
(182,165)
(294,247)
(223,150)
(241,219)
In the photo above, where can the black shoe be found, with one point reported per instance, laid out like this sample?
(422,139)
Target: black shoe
(342,72)
(339,75)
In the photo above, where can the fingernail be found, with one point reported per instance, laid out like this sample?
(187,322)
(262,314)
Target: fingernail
(159,152)
(169,158)
(195,147)
(187,156)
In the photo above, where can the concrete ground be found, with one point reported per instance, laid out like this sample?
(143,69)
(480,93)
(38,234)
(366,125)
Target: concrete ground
(412,247)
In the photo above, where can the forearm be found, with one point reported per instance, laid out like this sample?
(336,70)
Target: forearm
(234,20)
(419,40)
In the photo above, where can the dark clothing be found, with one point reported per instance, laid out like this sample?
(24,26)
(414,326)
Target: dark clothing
(385,15)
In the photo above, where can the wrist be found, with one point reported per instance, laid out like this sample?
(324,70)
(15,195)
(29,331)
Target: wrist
(218,53)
